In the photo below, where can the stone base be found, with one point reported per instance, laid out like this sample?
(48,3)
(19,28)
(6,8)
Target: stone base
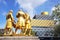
(19,38)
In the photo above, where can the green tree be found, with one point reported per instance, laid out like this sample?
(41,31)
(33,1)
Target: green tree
(56,11)
(57,30)
(56,15)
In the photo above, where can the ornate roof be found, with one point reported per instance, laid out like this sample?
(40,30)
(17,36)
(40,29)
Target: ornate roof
(45,23)
(43,17)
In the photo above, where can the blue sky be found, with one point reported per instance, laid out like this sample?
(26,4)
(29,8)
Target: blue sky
(29,6)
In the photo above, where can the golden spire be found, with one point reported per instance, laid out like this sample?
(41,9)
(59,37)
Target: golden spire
(44,13)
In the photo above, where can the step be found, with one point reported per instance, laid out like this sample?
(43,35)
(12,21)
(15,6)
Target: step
(19,38)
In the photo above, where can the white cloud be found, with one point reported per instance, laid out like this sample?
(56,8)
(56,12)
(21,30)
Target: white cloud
(3,1)
(53,8)
(29,5)
(4,13)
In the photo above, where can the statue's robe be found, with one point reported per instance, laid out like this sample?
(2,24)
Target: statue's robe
(21,20)
(28,22)
(9,19)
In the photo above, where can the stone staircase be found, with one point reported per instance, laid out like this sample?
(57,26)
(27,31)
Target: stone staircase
(19,38)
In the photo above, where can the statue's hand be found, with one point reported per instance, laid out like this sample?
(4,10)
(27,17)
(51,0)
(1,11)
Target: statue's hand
(14,21)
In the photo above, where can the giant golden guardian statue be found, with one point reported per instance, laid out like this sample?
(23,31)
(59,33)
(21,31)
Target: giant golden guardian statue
(27,25)
(9,21)
(21,20)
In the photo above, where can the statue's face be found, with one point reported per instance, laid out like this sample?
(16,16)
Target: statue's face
(20,12)
(10,12)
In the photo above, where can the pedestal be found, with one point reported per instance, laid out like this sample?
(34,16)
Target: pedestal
(19,38)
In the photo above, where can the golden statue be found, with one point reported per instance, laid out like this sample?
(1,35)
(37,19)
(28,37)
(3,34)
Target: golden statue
(27,25)
(23,23)
(21,20)
(10,19)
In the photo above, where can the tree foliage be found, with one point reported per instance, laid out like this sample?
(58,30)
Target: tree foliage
(56,11)
(57,28)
